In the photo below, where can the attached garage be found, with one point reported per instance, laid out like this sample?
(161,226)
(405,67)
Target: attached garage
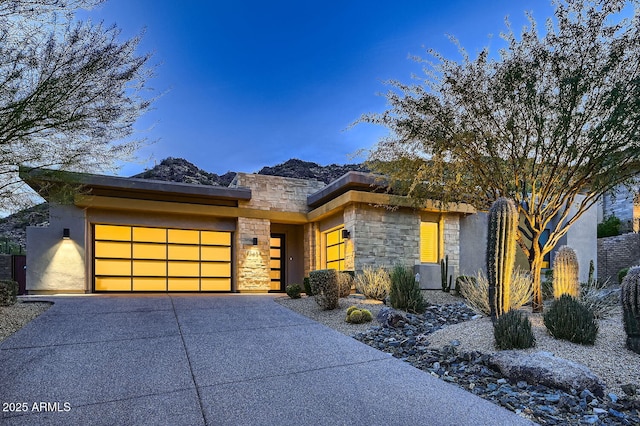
(135,258)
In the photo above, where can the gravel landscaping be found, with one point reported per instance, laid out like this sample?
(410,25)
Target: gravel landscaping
(14,317)
(451,342)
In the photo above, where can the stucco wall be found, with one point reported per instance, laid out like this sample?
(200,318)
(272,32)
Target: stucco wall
(473,243)
(583,238)
(53,264)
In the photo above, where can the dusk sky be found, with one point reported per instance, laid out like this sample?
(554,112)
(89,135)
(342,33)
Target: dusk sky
(251,83)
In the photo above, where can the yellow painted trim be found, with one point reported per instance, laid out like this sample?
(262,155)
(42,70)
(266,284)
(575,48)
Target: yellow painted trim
(327,209)
(114,203)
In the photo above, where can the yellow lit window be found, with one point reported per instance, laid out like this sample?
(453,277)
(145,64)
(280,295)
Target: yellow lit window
(334,249)
(429,242)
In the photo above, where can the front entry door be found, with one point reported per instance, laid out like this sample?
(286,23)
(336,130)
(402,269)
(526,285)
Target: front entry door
(277,262)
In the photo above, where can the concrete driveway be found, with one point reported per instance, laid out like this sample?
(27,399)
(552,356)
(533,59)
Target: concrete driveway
(213,360)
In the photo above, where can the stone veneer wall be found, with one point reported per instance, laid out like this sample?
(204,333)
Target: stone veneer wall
(252,273)
(383,237)
(451,235)
(615,253)
(277,193)
(310,247)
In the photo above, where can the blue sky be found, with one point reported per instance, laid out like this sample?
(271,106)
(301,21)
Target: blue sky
(251,83)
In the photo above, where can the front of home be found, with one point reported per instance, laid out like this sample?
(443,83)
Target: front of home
(257,235)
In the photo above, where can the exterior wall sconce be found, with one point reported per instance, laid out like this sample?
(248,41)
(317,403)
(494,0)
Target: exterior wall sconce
(66,234)
(346,234)
(255,241)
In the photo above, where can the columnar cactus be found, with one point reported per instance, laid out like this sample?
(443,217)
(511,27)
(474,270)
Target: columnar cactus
(565,273)
(501,253)
(630,296)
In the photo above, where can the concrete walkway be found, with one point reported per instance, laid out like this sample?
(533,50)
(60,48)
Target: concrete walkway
(213,360)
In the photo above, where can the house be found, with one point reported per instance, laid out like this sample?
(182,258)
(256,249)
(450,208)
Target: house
(259,234)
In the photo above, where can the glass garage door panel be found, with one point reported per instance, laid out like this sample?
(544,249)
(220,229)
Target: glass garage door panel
(215,284)
(138,258)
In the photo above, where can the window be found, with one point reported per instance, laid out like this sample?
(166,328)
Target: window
(429,242)
(334,249)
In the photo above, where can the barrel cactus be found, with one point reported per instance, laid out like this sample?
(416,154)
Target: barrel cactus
(565,273)
(501,253)
(630,296)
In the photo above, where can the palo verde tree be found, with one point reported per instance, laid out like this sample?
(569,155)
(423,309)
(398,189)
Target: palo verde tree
(552,121)
(70,91)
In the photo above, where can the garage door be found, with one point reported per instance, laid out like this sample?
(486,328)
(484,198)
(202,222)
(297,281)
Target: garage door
(132,258)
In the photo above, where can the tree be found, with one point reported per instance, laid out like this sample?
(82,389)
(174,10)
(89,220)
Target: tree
(70,91)
(552,122)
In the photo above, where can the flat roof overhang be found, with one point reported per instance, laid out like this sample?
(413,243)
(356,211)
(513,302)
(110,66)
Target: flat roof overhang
(359,181)
(393,201)
(46,182)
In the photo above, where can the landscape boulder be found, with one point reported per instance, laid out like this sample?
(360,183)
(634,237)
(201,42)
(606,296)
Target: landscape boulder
(543,368)
(389,317)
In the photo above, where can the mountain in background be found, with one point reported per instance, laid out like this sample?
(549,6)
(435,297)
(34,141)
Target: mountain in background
(180,170)
(13,227)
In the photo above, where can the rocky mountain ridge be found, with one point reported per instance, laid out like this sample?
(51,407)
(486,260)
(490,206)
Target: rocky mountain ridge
(13,227)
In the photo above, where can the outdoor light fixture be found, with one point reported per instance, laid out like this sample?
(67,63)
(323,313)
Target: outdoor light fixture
(66,234)
(255,241)
(345,234)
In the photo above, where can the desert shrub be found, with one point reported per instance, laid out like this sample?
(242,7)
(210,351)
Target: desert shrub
(345,281)
(476,292)
(621,274)
(8,292)
(460,281)
(609,227)
(373,283)
(568,319)
(598,298)
(405,292)
(293,291)
(324,285)
(358,316)
(307,286)
(513,331)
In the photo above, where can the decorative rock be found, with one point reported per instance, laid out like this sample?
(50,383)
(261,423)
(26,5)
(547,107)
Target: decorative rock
(472,371)
(544,368)
(629,389)
(389,317)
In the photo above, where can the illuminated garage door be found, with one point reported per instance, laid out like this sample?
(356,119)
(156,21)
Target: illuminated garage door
(131,258)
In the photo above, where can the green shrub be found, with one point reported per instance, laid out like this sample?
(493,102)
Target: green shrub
(358,316)
(405,292)
(373,283)
(513,331)
(609,227)
(307,286)
(476,292)
(324,285)
(294,290)
(8,292)
(621,274)
(345,281)
(568,319)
